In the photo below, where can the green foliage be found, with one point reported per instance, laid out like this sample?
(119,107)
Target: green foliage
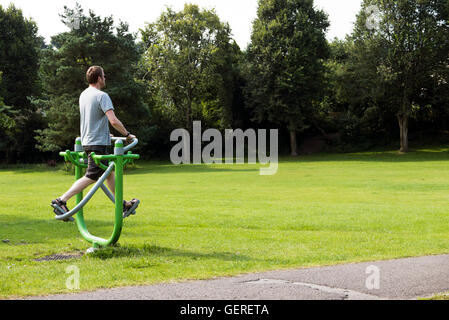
(6,122)
(405,57)
(19,54)
(19,45)
(412,43)
(91,41)
(285,71)
(355,95)
(189,60)
(393,71)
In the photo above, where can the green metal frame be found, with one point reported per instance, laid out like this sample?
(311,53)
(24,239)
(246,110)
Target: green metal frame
(120,159)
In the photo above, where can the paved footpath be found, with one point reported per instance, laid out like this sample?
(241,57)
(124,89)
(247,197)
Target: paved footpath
(410,278)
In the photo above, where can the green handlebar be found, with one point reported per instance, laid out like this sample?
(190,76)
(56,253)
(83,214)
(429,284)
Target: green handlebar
(129,158)
(97,160)
(113,157)
(74,157)
(132,156)
(102,157)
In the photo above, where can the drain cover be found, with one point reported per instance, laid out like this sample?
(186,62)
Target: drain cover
(59,257)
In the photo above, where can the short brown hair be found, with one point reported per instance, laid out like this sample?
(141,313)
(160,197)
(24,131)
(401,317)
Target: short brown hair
(93,74)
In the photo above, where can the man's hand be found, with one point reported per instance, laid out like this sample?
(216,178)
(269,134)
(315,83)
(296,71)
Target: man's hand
(130,138)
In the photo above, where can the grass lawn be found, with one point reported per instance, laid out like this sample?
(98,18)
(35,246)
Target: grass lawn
(441,296)
(200,221)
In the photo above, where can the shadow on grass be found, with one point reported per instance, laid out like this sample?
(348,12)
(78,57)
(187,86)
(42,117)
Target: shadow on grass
(151,250)
(386,156)
(19,231)
(161,167)
(149,167)
(433,155)
(167,168)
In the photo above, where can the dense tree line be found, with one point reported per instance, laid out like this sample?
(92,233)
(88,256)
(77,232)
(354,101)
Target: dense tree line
(20,48)
(384,83)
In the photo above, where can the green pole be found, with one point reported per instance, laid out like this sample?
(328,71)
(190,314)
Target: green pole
(118,152)
(78,174)
(79,197)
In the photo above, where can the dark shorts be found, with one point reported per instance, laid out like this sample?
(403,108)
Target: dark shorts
(94,172)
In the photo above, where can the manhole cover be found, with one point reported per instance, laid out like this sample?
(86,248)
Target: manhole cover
(59,257)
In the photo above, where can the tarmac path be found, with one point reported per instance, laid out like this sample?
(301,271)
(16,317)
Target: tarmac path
(400,279)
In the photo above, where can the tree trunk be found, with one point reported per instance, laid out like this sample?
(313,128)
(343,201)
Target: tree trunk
(403,116)
(293,144)
(189,124)
(403,127)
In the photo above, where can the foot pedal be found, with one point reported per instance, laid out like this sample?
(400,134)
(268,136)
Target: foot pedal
(132,210)
(59,211)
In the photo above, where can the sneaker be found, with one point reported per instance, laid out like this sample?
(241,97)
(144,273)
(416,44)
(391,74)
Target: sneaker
(129,207)
(60,208)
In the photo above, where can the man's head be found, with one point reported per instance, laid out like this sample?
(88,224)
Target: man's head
(95,76)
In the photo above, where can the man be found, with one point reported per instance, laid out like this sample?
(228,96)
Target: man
(97,112)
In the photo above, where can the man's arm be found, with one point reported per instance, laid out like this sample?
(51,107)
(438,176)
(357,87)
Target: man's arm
(118,125)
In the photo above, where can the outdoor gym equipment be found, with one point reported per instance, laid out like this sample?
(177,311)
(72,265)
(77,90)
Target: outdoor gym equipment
(117,161)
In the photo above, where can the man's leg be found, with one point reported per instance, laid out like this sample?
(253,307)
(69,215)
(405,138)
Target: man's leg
(77,187)
(128,206)
(111,183)
(84,182)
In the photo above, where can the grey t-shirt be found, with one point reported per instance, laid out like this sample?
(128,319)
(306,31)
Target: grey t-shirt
(94,122)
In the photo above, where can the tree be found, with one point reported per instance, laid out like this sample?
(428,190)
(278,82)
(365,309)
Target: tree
(90,41)
(6,121)
(19,46)
(411,45)
(189,59)
(286,69)
(19,53)
(356,94)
